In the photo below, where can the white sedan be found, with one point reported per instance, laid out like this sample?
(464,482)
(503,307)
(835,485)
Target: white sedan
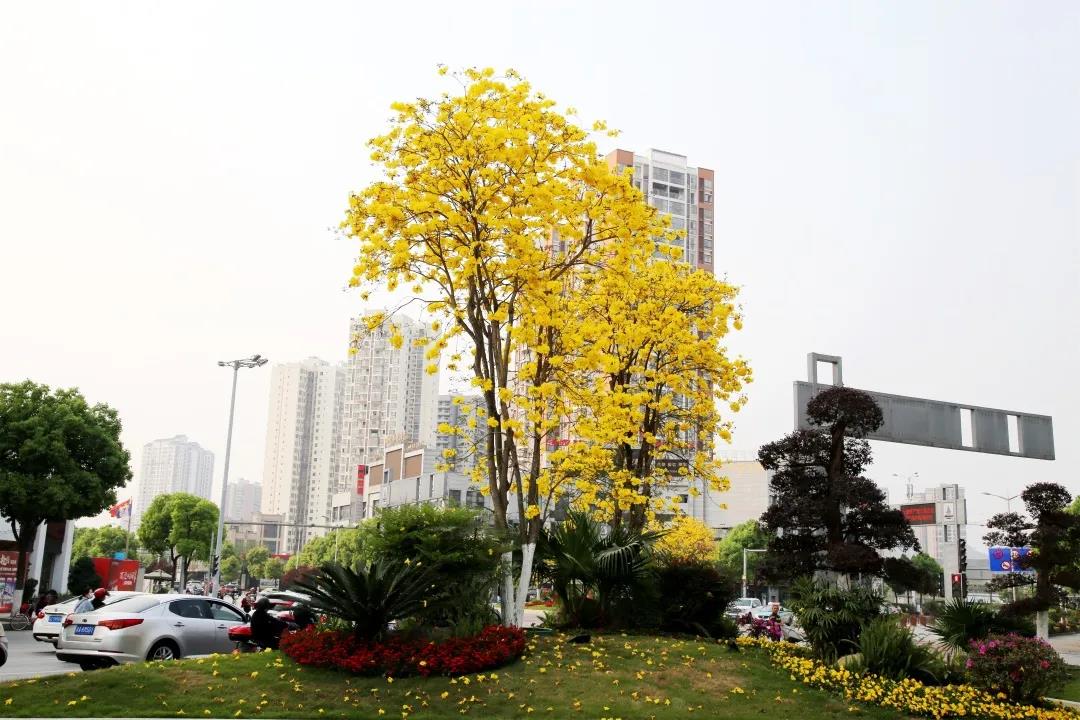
(148,627)
(49,620)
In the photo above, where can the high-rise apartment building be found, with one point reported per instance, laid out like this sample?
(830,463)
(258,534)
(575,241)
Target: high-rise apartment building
(388,398)
(455,411)
(300,465)
(672,186)
(243,499)
(171,465)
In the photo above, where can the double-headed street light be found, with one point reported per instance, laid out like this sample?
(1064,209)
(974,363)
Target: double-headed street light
(215,557)
(1008,500)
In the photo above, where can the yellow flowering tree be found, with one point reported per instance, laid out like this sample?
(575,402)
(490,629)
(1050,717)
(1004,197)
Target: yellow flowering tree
(688,540)
(490,199)
(657,376)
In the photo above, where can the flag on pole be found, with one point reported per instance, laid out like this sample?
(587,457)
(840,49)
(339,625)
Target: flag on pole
(121,509)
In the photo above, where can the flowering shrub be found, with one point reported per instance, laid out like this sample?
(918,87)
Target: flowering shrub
(1021,668)
(906,696)
(398,657)
(757,627)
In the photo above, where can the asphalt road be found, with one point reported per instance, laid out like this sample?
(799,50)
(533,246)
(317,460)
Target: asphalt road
(29,658)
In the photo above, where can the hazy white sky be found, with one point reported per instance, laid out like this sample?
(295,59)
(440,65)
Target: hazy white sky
(897,183)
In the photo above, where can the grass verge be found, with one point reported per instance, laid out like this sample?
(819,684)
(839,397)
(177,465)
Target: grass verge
(612,677)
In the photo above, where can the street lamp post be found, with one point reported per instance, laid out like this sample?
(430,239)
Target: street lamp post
(1008,500)
(744,552)
(1008,508)
(251,362)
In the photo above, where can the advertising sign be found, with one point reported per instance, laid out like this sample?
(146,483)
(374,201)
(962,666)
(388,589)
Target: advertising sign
(9,562)
(948,512)
(1007,559)
(361,477)
(921,514)
(117,574)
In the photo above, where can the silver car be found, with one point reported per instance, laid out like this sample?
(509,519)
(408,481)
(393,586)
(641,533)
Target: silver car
(49,620)
(148,627)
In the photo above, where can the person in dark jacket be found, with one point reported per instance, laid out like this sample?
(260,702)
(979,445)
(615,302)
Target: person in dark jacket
(302,616)
(265,628)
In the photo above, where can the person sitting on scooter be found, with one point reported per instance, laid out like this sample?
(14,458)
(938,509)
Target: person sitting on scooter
(265,628)
(302,616)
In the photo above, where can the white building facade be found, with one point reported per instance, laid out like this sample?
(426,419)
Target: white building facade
(300,464)
(242,499)
(171,465)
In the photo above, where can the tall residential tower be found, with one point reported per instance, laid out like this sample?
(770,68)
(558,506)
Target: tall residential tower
(300,465)
(672,186)
(172,465)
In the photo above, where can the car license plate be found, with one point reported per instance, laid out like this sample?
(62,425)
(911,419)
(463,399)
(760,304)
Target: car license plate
(84,629)
(55,618)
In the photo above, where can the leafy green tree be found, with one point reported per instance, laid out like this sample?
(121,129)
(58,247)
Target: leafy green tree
(60,459)
(729,550)
(82,576)
(345,543)
(103,542)
(1075,507)
(932,575)
(179,525)
(272,569)
(230,569)
(252,562)
(826,515)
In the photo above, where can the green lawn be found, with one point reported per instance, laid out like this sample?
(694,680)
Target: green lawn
(613,677)
(1072,690)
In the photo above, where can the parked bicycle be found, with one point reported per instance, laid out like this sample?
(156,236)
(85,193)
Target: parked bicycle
(21,620)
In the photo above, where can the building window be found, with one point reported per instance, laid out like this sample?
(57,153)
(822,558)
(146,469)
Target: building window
(660,173)
(947,533)
(455,498)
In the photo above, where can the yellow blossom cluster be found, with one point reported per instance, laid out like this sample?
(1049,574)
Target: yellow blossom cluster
(907,696)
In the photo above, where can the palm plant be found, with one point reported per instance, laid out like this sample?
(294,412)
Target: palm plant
(593,567)
(888,650)
(370,597)
(833,617)
(962,621)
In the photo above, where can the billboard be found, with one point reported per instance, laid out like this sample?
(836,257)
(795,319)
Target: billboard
(9,563)
(117,574)
(920,514)
(1007,559)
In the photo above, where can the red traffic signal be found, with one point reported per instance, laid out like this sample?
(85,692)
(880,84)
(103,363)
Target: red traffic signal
(956,577)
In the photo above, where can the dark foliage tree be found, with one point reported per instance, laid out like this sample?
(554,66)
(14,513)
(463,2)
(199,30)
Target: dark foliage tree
(825,514)
(60,459)
(1053,533)
(82,576)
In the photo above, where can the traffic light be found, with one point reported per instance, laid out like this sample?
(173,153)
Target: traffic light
(213,565)
(963,555)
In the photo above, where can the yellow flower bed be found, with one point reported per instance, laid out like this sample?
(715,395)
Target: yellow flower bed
(907,696)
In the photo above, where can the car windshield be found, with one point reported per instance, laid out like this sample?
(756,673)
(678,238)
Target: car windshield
(134,604)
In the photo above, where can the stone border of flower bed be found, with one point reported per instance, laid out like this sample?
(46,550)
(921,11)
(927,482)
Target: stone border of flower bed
(908,696)
(493,647)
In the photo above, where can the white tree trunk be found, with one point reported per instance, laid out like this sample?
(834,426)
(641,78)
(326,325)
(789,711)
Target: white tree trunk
(513,599)
(1042,624)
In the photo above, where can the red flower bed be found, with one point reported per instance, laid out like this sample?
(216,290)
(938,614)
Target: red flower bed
(494,646)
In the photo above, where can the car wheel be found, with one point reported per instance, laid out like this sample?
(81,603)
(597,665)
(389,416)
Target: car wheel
(88,666)
(3,657)
(164,650)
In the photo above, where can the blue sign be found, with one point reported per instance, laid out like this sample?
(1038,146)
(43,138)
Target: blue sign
(1007,559)
(119,555)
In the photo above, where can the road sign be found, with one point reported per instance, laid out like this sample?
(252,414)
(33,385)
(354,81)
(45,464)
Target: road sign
(1008,559)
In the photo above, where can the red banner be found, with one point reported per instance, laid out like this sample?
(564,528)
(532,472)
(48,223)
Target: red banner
(9,563)
(361,476)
